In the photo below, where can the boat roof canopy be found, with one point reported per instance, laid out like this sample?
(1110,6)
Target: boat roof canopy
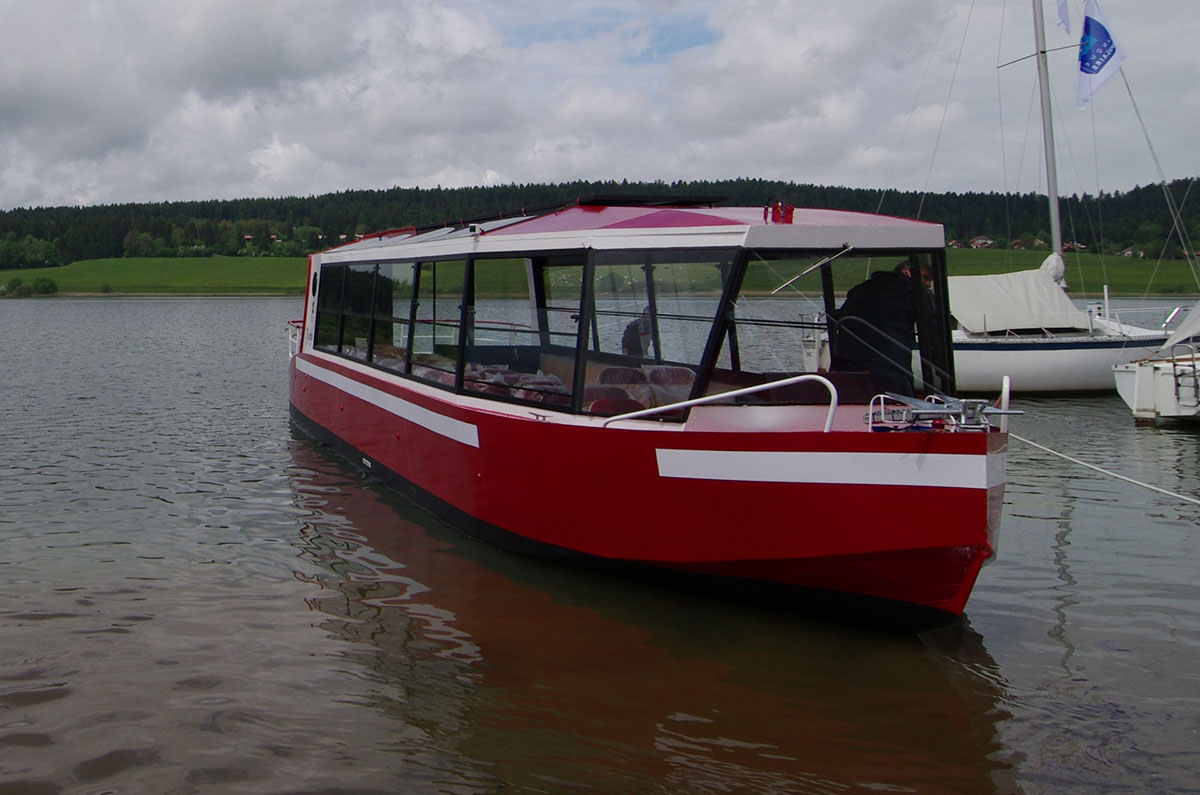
(690,223)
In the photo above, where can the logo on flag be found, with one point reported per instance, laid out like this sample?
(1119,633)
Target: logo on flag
(1100,55)
(1096,48)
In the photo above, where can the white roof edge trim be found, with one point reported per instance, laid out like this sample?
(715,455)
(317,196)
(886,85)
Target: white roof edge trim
(900,235)
(886,236)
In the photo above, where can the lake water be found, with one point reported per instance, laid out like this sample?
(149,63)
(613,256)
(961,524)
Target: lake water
(194,599)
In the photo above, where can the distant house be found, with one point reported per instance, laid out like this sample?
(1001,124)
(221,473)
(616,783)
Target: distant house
(1074,245)
(1017,244)
(1037,242)
(1131,252)
(954,244)
(982,242)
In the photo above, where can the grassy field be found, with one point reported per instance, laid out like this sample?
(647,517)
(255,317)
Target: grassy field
(1086,273)
(176,276)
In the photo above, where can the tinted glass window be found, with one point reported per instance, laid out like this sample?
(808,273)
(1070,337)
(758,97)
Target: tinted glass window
(329,307)
(356,311)
(522,346)
(654,314)
(438,320)
(392,313)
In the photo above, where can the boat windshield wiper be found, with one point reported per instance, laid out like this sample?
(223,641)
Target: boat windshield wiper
(813,267)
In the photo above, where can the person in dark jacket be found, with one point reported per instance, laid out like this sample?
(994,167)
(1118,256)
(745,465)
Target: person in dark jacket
(636,339)
(876,329)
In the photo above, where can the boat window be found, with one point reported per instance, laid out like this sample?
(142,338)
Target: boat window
(653,316)
(329,308)
(392,315)
(505,354)
(773,333)
(781,324)
(561,281)
(435,334)
(356,311)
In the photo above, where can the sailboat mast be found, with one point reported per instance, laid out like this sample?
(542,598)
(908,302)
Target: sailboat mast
(1039,35)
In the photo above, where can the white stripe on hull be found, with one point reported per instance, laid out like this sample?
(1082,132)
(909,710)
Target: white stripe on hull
(463,432)
(858,469)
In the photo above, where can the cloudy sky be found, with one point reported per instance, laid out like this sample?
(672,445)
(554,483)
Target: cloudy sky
(105,101)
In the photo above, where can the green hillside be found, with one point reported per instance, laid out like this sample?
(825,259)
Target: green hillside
(175,275)
(293,226)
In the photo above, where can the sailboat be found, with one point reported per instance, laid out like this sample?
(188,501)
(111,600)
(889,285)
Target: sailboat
(1023,324)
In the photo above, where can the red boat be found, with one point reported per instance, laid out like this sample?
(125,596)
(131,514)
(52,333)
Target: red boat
(640,383)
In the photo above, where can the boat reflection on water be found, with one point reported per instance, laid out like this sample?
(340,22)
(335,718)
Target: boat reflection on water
(513,672)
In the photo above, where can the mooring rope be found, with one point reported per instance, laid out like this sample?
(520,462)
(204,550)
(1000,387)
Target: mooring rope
(1108,472)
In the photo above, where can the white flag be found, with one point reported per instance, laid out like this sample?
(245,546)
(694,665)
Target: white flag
(1064,18)
(1100,55)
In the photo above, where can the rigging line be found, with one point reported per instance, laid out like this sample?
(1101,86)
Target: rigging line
(1104,471)
(945,108)
(1048,50)
(1098,235)
(1025,145)
(1183,231)
(1162,252)
(913,112)
(1062,126)
(1008,219)
(1095,229)
(1175,219)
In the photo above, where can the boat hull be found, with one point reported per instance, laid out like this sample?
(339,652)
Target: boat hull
(904,517)
(1160,389)
(1045,365)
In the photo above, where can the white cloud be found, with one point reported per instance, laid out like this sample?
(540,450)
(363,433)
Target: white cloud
(115,100)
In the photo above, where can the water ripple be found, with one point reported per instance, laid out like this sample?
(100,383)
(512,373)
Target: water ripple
(191,599)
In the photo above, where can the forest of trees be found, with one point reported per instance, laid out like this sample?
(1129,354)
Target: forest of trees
(295,226)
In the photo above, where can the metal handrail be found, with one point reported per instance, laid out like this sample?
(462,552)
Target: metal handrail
(295,327)
(749,390)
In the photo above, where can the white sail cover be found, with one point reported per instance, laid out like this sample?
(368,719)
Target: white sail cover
(1022,300)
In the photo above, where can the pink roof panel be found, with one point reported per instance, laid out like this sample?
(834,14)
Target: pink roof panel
(577,219)
(586,218)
